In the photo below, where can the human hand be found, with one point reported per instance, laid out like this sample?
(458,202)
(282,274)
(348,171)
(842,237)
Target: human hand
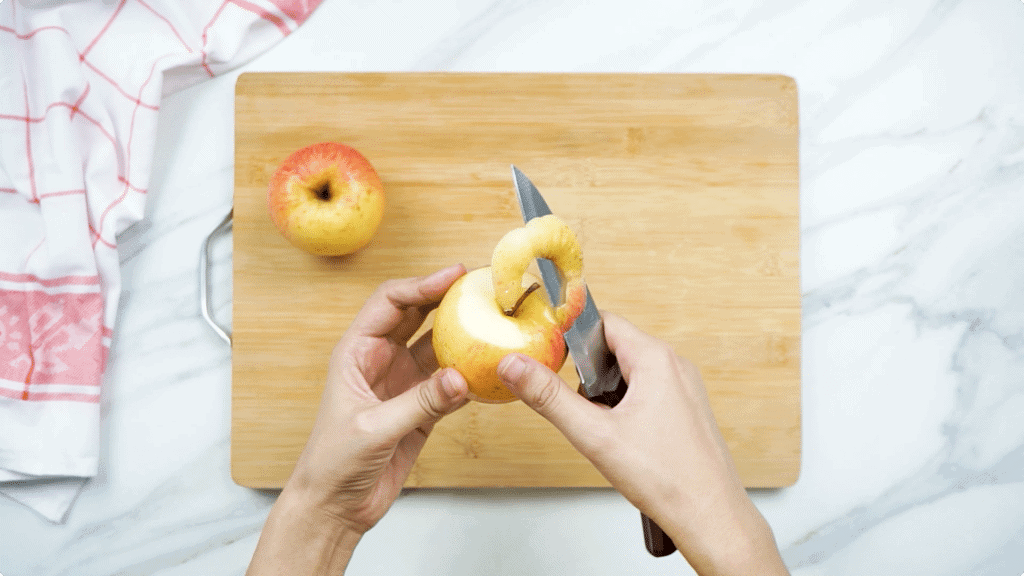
(380,402)
(660,447)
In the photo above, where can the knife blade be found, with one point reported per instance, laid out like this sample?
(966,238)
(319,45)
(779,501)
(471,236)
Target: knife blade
(601,379)
(599,373)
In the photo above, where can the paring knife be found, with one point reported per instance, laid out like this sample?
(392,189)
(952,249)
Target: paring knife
(600,378)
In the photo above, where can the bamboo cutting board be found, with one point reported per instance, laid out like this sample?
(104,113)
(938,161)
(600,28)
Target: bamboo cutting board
(683,190)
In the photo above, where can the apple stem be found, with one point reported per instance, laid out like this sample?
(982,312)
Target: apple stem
(323,191)
(522,299)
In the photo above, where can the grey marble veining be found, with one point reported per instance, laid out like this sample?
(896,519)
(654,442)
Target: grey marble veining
(912,222)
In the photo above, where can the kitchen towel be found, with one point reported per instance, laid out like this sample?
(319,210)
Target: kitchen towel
(80,90)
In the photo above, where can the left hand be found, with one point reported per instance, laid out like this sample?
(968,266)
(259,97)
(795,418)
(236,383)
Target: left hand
(381,399)
(380,402)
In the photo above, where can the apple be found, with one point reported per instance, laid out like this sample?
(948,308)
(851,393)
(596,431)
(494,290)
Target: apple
(493,311)
(326,199)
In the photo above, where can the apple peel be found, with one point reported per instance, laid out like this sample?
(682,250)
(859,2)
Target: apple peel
(493,311)
(543,237)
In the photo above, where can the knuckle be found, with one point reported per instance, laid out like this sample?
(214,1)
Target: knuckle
(429,403)
(339,351)
(544,394)
(390,286)
(661,354)
(691,369)
(387,289)
(664,357)
(686,367)
(383,289)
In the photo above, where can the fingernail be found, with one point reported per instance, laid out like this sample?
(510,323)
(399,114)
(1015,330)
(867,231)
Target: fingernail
(511,368)
(451,389)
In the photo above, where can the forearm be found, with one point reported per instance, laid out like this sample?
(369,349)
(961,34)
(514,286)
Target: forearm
(727,538)
(301,540)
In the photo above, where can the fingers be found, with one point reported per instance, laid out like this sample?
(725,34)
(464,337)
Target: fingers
(420,406)
(627,342)
(387,311)
(582,423)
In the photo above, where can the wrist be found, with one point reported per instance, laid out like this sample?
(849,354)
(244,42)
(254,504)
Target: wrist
(300,537)
(727,537)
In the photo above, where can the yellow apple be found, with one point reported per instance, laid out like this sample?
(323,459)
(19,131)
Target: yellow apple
(493,311)
(326,199)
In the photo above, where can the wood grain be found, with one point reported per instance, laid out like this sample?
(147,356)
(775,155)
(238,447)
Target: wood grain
(684,190)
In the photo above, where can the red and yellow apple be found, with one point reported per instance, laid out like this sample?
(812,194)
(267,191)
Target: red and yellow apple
(496,310)
(326,199)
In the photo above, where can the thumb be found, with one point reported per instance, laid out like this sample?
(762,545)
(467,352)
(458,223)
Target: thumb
(538,387)
(423,404)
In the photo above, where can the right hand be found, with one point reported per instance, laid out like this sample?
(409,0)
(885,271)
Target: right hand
(660,447)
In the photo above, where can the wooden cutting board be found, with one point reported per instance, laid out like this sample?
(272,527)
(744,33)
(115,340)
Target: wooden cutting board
(683,189)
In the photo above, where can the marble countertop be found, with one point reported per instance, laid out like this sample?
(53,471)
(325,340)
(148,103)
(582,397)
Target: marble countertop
(912,221)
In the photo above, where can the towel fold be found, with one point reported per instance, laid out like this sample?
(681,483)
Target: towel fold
(80,91)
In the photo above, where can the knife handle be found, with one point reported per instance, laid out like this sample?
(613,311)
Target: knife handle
(658,543)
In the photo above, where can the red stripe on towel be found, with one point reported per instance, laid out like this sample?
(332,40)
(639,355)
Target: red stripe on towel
(69,280)
(50,396)
(51,338)
(262,13)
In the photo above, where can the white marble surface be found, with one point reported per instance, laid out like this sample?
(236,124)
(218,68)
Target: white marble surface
(912,175)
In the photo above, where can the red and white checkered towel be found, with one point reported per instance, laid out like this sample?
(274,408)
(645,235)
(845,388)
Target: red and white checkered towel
(80,90)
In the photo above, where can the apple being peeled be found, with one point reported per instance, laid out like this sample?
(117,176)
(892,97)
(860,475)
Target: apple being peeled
(326,199)
(493,311)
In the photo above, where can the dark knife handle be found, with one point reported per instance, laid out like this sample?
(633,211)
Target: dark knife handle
(658,543)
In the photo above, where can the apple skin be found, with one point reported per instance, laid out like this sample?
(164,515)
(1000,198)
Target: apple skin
(472,334)
(490,312)
(326,199)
